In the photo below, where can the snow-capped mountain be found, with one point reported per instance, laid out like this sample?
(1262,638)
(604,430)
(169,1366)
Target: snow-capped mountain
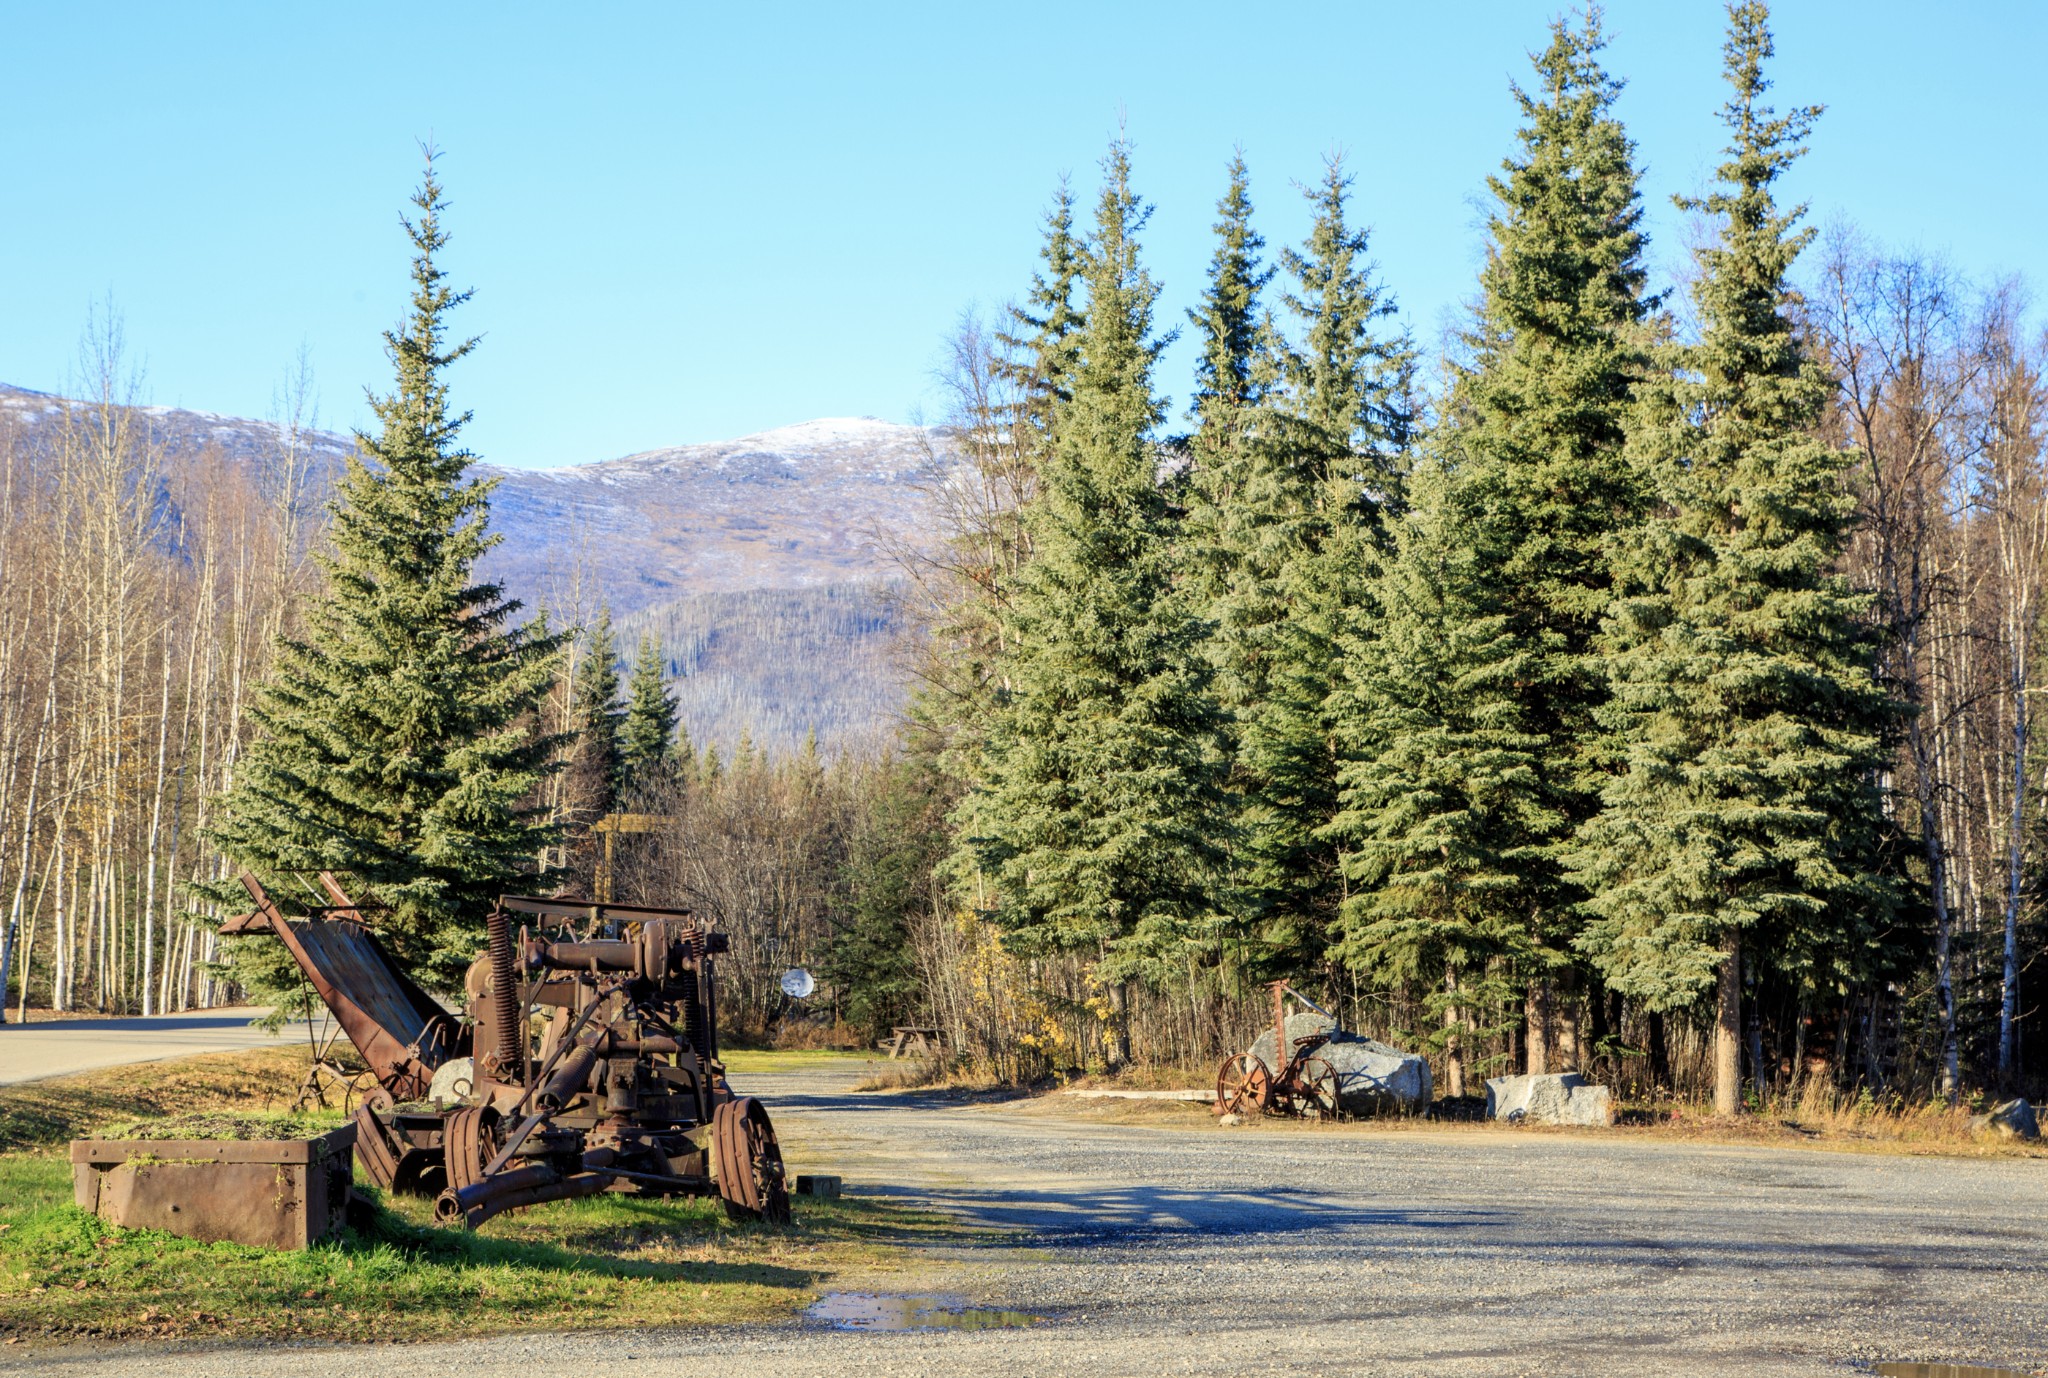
(817,503)
(800,506)
(757,562)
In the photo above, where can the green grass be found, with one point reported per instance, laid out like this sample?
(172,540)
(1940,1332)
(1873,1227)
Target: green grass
(604,1262)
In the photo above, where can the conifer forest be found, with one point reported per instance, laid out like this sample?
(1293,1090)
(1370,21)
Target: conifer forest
(1636,679)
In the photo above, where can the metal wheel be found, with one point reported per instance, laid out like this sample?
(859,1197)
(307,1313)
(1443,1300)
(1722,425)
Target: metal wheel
(747,1161)
(469,1140)
(1243,1086)
(373,1150)
(1318,1081)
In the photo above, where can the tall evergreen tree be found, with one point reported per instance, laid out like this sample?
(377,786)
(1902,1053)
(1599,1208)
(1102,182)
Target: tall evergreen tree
(1347,377)
(891,873)
(1231,371)
(1746,704)
(1233,448)
(647,738)
(1295,451)
(1536,426)
(1443,809)
(1341,418)
(1042,340)
(396,743)
(596,763)
(1008,400)
(1098,820)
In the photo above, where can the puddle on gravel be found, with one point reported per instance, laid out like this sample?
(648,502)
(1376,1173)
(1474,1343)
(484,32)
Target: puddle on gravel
(1945,1371)
(884,1311)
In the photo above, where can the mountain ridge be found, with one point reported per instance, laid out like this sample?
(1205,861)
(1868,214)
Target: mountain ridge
(763,562)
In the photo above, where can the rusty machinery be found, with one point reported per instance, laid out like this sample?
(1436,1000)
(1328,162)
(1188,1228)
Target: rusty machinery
(587,1060)
(1298,1082)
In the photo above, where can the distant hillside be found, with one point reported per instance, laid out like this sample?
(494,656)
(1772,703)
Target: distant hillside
(781,663)
(190,434)
(761,563)
(799,507)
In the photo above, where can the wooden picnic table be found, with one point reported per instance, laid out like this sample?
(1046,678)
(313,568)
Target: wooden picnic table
(915,1039)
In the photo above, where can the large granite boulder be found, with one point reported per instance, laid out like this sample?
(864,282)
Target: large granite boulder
(2013,1119)
(1372,1078)
(1556,1098)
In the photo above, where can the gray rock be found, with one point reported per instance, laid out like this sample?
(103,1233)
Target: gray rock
(1556,1098)
(453,1082)
(2013,1119)
(1372,1078)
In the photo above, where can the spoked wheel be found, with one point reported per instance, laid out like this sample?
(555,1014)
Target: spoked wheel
(748,1162)
(469,1140)
(1318,1081)
(1243,1086)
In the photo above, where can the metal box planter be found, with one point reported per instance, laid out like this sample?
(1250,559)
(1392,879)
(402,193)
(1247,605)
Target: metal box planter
(273,1193)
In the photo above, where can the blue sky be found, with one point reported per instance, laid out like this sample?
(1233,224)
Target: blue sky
(688,222)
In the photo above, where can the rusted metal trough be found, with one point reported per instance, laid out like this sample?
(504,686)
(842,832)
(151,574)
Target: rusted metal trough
(274,1193)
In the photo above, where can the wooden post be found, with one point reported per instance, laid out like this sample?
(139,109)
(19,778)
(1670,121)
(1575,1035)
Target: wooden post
(610,826)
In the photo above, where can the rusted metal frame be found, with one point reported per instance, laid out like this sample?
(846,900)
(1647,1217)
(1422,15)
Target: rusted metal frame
(373,1148)
(534,1120)
(568,1188)
(673,1179)
(540,906)
(288,1151)
(396,1064)
(1289,1087)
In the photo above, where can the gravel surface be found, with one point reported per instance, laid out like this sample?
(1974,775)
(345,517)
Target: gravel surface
(1157,1251)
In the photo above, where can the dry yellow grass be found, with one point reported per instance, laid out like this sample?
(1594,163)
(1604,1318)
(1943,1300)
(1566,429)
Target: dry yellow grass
(1842,1124)
(38,1114)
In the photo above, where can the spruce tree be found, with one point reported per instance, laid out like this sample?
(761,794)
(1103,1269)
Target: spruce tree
(397,743)
(1042,338)
(1346,382)
(648,739)
(1536,427)
(1295,450)
(893,851)
(1231,371)
(1443,808)
(1746,704)
(1098,819)
(1342,416)
(1243,516)
(596,762)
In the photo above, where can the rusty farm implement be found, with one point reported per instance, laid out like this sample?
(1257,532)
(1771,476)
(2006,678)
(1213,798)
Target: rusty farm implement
(1296,1081)
(586,1061)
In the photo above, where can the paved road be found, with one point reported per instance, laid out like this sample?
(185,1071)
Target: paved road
(1165,1251)
(60,1047)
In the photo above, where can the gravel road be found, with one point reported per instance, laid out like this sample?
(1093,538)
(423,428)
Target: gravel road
(63,1046)
(1159,1251)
